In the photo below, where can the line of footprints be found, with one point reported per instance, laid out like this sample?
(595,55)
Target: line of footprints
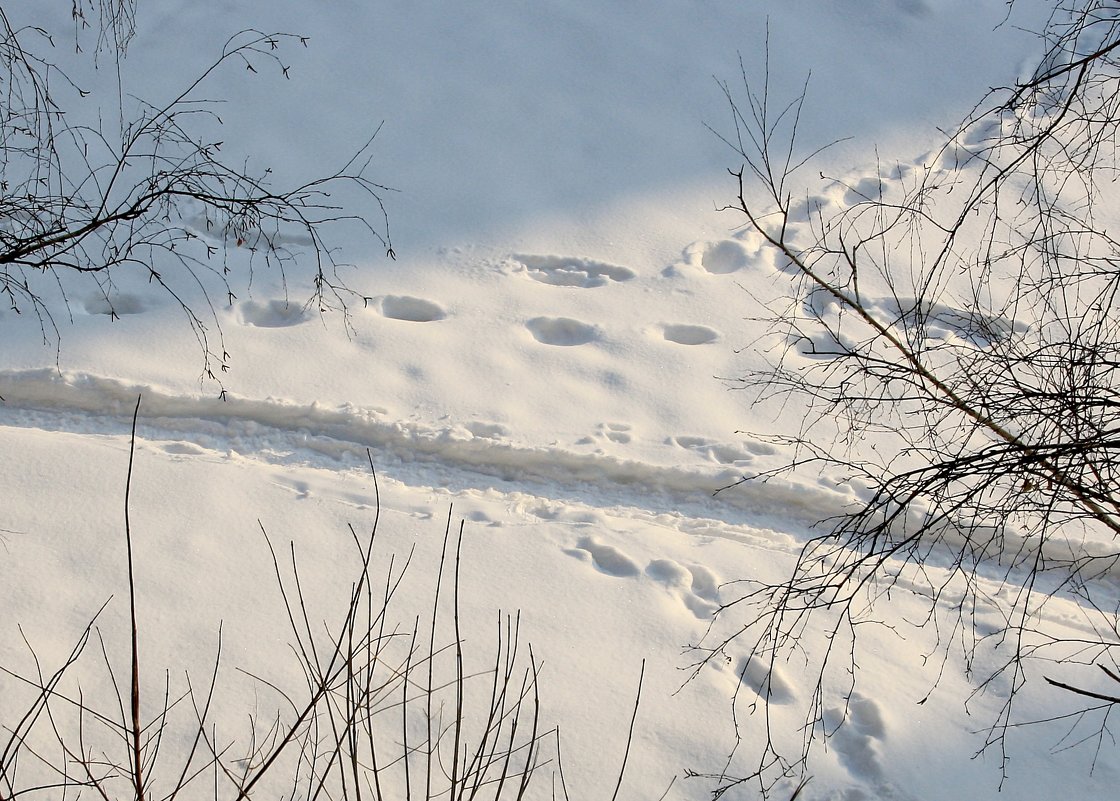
(717,258)
(696,586)
(722,257)
(856,742)
(705,257)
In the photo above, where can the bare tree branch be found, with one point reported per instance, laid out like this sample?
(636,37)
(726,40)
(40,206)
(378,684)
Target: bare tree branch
(149,194)
(963,316)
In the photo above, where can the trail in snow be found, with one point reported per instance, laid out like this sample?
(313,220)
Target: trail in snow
(473,459)
(460,457)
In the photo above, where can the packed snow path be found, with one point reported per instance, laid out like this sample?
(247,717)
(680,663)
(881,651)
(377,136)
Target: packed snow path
(457,457)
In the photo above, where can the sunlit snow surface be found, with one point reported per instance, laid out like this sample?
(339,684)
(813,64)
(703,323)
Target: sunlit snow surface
(546,359)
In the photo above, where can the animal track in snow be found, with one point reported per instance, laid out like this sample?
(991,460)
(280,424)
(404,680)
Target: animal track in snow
(806,210)
(857,737)
(968,146)
(705,583)
(271,313)
(183,449)
(899,171)
(569,271)
(765,680)
(696,586)
(868,189)
(410,309)
(940,321)
(486,430)
(615,432)
(607,559)
(688,334)
(721,258)
(254,238)
(115,305)
(715,451)
(479,516)
(562,331)
(936,321)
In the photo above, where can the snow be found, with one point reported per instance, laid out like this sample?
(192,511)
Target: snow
(544,360)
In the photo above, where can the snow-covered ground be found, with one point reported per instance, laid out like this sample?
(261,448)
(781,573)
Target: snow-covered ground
(545,360)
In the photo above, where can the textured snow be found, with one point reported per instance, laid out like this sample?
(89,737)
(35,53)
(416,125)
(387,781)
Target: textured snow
(546,359)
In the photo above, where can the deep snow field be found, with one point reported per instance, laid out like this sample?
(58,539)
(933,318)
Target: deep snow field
(550,358)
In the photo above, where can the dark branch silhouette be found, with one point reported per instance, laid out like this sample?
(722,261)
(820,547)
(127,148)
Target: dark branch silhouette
(952,348)
(150,194)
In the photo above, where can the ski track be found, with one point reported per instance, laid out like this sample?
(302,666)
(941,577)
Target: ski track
(471,456)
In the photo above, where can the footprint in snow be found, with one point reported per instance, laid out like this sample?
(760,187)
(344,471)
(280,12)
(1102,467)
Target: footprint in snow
(271,313)
(696,586)
(720,452)
(857,737)
(705,584)
(968,147)
(899,171)
(410,309)
(562,331)
(868,189)
(615,432)
(767,681)
(481,517)
(719,258)
(232,237)
(486,430)
(115,304)
(688,334)
(808,209)
(606,558)
(571,271)
(183,449)
(939,321)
